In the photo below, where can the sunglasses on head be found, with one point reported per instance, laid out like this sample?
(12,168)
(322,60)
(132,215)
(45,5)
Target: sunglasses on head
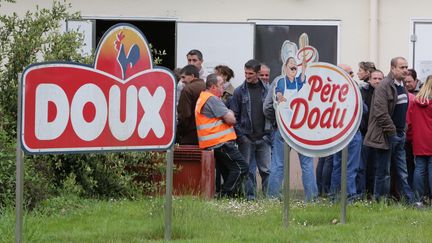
(368,65)
(293,68)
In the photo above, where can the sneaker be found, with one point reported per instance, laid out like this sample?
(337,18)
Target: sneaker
(418,205)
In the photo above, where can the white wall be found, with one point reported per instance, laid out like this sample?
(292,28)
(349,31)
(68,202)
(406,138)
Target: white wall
(393,21)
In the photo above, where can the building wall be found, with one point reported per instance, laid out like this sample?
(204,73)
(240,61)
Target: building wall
(394,20)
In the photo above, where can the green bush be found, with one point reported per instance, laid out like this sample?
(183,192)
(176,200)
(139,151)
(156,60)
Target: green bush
(109,175)
(104,176)
(7,171)
(36,187)
(36,37)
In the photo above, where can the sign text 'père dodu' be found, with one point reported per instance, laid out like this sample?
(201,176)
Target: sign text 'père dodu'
(325,114)
(120,103)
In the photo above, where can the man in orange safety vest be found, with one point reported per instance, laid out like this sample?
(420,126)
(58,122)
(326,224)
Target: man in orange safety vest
(215,128)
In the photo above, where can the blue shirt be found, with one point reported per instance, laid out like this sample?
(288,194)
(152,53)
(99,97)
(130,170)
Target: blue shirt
(280,87)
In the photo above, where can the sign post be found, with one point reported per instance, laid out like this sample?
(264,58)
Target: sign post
(287,152)
(121,103)
(344,184)
(168,193)
(19,177)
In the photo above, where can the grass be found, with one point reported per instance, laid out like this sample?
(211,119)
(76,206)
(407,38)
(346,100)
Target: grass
(196,220)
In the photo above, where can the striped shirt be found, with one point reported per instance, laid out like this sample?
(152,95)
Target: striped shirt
(399,114)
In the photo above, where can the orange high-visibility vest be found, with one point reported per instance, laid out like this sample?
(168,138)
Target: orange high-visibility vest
(211,131)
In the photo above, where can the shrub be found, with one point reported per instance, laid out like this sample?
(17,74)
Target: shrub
(36,187)
(7,171)
(36,37)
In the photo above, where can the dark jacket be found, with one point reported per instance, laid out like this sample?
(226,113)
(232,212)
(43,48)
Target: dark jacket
(268,106)
(381,125)
(241,106)
(227,95)
(186,127)
(366,92)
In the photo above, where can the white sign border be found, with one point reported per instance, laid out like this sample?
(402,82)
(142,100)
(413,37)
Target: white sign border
(336,147)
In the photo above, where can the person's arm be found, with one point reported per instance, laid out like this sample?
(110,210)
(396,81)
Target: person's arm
(268,108)
(280,88)
(229,118)
(184,113)
(380,110)
(280,97)
(236,108)
(303,75)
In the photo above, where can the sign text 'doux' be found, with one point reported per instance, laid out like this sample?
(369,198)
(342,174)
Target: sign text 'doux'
(121,103)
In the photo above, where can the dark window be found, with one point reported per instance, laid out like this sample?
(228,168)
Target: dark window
(269,40)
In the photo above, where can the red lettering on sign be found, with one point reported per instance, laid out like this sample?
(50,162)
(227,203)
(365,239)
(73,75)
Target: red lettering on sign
(327,91)
(330,117)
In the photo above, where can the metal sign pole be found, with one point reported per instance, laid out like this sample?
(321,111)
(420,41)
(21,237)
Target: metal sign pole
(344,184)
(286,187)
(19,177)
(168,194)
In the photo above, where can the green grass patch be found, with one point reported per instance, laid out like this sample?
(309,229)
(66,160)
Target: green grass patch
(72,219)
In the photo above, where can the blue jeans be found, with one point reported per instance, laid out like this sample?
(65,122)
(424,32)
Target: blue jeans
(362,169)
(277,171)
(366,178)
(384,158)
(308,177)
(261,150)
(323,174)
(423,166)
(276,166)
(354,157)
(410,162)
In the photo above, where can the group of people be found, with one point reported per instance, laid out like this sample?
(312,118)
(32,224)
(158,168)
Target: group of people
(388,157)
(392,145)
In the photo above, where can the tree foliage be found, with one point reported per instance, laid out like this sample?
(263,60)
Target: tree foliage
(8,1)
(24,40)
(37,37)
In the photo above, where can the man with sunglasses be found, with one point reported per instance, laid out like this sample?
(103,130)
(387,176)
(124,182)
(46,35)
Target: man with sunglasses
(286,89)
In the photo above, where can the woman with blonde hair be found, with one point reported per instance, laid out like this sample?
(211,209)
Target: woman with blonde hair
(419,121)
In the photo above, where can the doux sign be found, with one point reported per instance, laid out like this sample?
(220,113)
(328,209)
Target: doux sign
(120,103)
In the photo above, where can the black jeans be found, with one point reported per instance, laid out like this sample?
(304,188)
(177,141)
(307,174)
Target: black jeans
(233,168)
(323,174)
